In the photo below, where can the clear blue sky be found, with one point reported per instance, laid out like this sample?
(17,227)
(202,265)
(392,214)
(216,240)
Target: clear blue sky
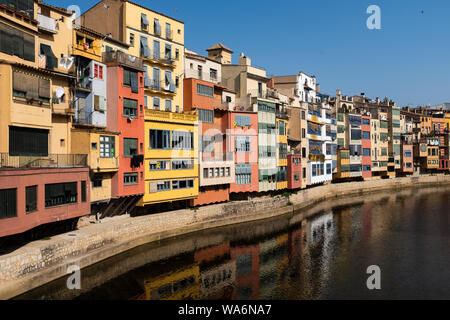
(408,60)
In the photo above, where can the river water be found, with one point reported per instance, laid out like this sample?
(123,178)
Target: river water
(406,234)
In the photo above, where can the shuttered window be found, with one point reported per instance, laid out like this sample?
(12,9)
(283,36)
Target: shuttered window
(51,60)
(60,194)
(16,42)
(28,142)
(206,91)
(206,116)
(83,191)
(8,203)
(130,147)
(130,108)
(28,86)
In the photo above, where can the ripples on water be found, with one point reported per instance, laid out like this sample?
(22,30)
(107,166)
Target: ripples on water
(323,257)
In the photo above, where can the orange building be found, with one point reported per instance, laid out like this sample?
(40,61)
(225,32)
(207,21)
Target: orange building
(126,115)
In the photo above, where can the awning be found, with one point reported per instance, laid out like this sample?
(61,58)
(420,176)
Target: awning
(52,61)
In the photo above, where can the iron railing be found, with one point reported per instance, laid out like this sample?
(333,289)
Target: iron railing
(49,161)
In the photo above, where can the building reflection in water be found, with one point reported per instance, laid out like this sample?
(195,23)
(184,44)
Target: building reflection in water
(325,256)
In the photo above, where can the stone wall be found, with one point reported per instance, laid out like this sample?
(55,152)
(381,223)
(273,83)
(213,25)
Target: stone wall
(42,261)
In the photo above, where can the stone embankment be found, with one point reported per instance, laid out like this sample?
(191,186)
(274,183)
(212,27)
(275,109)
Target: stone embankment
(40,262)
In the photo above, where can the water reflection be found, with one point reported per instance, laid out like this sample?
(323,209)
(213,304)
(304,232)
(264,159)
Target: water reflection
(325,256)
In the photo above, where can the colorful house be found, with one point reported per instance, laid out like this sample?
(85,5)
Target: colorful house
(125,115)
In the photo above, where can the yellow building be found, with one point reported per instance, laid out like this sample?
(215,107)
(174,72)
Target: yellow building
(171,157)
(171,173)
(103,158)
(35,92)
(343,164)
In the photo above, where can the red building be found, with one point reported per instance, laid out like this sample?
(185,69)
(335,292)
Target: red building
(294,171)
(366,147)
(32,196)
(444,151)
(242,138)
(216,167)
(406,158)
(125,114)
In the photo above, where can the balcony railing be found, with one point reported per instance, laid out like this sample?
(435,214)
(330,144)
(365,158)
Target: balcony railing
(160,86)
(123,59)
(47,23)
(50,161)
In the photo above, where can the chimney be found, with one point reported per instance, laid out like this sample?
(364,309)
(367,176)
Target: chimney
(378,100)
(244,61)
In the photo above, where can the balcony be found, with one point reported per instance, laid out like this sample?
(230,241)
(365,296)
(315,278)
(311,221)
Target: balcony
(123,59)
(165,116)
(46,24)
(165,60)
(50,161)
(160,87)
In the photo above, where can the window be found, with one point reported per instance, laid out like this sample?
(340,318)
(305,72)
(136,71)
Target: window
(304,172)
(156,103)
(157,27)
(97,181)
(227,172)
(366,168)
(50,58)
(131,39)
(355,150)
(107,147)
(205,173)
(168,105)
(130,108)
(281,128)
(206,115)
(213,74)
(211,172)
(130,179)
(182,140)
(144,21)
(28,142)
(182,164)
(83,191)
(408,154)
(242,143)
(328,168)
(130,79)
(8,203)
(366,122)
(159,165)
(98,71)
(163,186)
(356,134)
(177,54)
(206,91)
(60,194)
(366,135)
(296,177)
(26,86)
(159,139)
(182,184)
(156,50)
(366,152)
(303,115)
(31,198)
(130,148)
